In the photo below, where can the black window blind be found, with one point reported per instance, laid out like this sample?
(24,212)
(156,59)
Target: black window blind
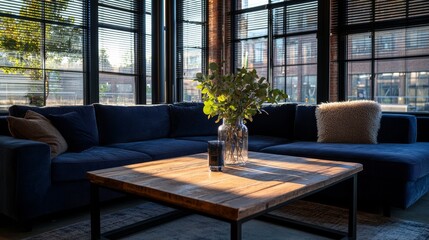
(191,45)
(42,52)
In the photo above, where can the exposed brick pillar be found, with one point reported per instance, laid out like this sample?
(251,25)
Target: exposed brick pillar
(215,20)
(219,41)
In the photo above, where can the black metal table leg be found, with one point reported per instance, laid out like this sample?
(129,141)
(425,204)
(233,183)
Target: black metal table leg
(235,230)
(95,213)
(352,209)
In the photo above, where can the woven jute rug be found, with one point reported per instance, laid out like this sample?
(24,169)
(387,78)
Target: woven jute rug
(370,226)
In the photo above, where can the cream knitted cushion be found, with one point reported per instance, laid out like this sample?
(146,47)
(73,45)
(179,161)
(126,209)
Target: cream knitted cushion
(348,122)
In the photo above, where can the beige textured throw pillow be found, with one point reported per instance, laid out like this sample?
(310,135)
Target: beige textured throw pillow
(36,127)
(348,122)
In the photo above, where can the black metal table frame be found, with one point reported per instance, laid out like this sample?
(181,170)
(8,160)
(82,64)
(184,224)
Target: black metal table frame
(235,232)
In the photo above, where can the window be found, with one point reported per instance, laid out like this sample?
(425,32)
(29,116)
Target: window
(286,33)
(41,52)
(191,46)
(387,52)
(119,27)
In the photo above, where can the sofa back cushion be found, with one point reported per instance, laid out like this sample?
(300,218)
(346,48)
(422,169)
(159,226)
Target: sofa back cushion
(188,119)
(74,129)
(121,124)
(305,125)
(86,114)
(279,122)
(423,129)
(397,128)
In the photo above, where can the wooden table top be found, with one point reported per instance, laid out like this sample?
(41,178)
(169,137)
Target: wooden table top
(266,181)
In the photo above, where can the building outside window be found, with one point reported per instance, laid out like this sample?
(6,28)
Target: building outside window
(286,33)
(387,53)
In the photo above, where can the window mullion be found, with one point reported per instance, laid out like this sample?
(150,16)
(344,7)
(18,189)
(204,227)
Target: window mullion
(270,45)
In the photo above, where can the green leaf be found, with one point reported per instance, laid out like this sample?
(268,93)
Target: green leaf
(207,110)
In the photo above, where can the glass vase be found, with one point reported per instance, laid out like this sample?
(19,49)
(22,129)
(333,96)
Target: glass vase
(235,136)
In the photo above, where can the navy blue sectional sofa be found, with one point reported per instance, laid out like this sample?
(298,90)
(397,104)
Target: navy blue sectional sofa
(396,171)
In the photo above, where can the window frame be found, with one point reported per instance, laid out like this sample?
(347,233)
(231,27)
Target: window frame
(322,31)
(376,26)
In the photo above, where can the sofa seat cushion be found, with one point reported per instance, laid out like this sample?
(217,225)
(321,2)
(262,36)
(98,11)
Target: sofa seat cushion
(164,147)
(72,166)
(199,138)
(121,124)
(388,160)
(258,142)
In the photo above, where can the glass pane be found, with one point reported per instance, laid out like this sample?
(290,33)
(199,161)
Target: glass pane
(117,89)
(20,43)
(64,48)
(301,49)
(148,89)
(301,83)
(390,43)
(250,3)
(64,11)
(193,10)
(64,88)
(124,4)
(19,88)
(301,17)
(116,51)
(402,84)
(115,17)
(359,46)
(390,9)
(359,80)
(252,24)
(418,91)
(192,64)
(355,14)
(192,35)
(279,52)
(417,41)
(253,54)
(279,80)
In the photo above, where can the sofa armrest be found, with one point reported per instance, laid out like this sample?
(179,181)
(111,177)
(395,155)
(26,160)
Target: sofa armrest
(25,169)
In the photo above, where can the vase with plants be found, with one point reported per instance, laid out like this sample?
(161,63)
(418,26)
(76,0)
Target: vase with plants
(235,98)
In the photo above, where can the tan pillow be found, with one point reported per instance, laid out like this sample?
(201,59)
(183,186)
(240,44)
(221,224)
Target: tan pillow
(348,122)
(36,127)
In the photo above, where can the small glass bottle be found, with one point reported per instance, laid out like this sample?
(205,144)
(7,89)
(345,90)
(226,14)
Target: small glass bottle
(216,155)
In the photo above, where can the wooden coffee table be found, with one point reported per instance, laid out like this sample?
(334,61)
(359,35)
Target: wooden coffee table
(236,195)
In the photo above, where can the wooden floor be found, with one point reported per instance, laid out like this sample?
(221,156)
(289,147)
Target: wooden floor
(418,212)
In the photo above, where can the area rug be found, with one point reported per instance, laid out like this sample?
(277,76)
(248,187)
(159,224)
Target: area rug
(370,226)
